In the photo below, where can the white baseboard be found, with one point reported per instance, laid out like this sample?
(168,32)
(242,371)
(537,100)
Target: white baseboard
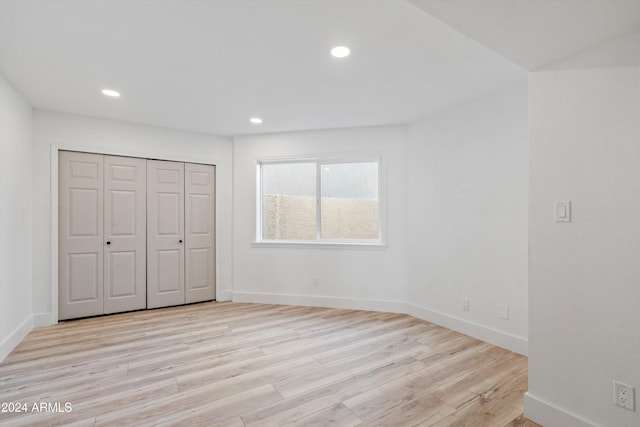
(224,296)
(8,344)
(42,319)
(319,301)
(492,336)
(499,338)
(549,415)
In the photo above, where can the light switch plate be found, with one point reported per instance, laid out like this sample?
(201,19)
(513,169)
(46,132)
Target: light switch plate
(562,211)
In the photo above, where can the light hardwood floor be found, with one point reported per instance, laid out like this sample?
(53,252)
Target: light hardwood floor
(233,364)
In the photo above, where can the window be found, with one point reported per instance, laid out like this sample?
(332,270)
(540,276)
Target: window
(314,201)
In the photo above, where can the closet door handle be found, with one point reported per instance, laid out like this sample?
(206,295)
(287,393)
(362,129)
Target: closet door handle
(108,243)
(179,241)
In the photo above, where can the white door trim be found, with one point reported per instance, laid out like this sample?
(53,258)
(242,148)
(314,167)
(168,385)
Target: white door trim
(55,148)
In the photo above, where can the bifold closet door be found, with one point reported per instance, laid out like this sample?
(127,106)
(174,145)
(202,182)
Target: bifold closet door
(125,233)
(200,232)
(80,237)
(165,233)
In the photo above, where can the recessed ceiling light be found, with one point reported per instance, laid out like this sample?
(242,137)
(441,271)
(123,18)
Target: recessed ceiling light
(255,120)
(111,93)
(340,51)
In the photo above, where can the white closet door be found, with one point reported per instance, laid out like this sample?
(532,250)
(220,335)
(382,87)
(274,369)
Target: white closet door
(200,232)
(125,231)
(165,233)
(80,240)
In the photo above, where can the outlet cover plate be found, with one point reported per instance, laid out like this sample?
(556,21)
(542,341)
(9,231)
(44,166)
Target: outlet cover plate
(624,395)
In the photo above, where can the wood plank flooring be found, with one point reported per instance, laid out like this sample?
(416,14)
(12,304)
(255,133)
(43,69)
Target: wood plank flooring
(233,364)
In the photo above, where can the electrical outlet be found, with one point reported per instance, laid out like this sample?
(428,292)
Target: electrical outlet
(465,304)
(316,281)
(624,395)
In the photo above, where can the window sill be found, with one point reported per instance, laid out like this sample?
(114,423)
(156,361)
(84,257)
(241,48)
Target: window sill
(318,245)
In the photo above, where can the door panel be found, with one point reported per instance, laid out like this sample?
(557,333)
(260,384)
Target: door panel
(124,212)
(125,230)
(170,217)
(200,232)
(165,234)
(84,281)
(122,271)
(80,239)
(199,268)
(83,215)
(169,280)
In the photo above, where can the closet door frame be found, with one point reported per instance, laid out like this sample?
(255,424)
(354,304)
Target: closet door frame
(45,319)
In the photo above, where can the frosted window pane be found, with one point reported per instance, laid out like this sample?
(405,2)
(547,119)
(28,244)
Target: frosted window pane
(349,204)
(289,201)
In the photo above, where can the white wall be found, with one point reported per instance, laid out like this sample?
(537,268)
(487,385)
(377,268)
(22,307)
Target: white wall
(15,218)
(467,214)
(357,277)
(457,222)
(584,289)
(69,131)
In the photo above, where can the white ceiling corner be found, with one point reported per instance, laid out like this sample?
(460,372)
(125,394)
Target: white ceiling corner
(534,33)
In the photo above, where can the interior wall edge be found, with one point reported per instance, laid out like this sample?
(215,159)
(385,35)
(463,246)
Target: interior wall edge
(16,217)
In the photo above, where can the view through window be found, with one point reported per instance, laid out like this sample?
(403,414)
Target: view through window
(317,201)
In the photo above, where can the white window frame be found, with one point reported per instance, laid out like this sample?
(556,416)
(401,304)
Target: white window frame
(321,161)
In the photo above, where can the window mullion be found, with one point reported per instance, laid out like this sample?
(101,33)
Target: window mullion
(318,202)
(260,201)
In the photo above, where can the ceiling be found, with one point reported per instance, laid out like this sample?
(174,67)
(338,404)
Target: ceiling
(534,33)
(209,66)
